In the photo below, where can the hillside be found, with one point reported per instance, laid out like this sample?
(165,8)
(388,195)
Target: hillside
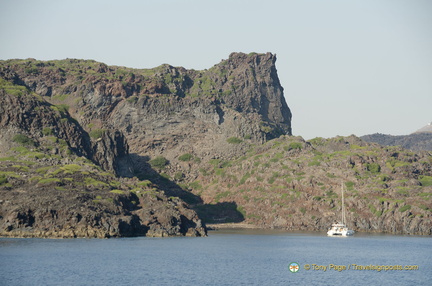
(294,184)
(421,140)
(166,109)
(70,126)
(56,180)
(90,150)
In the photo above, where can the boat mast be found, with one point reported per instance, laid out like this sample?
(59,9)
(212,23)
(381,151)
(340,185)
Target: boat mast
(343,206)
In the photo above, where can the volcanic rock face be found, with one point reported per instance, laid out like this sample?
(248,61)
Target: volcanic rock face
(33,115)
(52,183)
(56,210)
(167,109)
(56,115)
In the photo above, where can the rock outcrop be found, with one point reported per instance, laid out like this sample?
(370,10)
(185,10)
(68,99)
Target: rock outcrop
(30,114)
(167,109)
(56,180)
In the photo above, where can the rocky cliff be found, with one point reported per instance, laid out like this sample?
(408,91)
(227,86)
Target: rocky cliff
(54,113)
(56,180)
(30,114)
(167,109)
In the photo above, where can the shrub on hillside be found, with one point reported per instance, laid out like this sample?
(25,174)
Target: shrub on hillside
(159,162)
(234,140)
(185,157)
(22,139)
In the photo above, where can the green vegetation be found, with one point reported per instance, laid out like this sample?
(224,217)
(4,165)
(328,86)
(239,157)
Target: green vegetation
(222,195)
(97,199)
(43,170)
(404,208)
(265,128)
(21,149)
(331,176)
(97,133)
(178,176)
(295,145)
(314,162)
(62,109)
(318,141)
(349,185)
(13,89)
(244,178)
(195,185)
(49,181)
(220,172)
(10,174)
(68,169)
(374,211)
(277,157)
(159,162)
(89,181)
(117,192)
(393,163)
(132,99)
(331,194)
(22,139)
(234,140)
(145,183)
(425,180)
(3,180)
(373,168)
(32,70)
(185,157)
(241,210)
(47,131)
(61,97)
(21,168)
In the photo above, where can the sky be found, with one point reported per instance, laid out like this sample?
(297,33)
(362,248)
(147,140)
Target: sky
(347,67)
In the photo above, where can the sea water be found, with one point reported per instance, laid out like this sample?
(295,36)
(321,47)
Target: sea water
(230,257)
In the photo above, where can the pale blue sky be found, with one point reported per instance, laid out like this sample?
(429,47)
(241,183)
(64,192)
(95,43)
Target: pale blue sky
(347,67)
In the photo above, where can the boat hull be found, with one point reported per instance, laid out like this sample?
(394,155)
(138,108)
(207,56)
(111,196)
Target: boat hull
(340,230)
(343,233)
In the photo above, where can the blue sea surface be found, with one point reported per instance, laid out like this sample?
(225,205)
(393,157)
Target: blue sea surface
(226,257)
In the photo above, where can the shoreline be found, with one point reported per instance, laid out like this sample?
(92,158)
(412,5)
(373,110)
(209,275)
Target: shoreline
(214,226)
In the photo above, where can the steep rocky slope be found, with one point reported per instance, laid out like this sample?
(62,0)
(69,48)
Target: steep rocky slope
(53,183)
(166,110)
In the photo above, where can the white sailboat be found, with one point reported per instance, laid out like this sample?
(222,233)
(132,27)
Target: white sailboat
(340,228)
